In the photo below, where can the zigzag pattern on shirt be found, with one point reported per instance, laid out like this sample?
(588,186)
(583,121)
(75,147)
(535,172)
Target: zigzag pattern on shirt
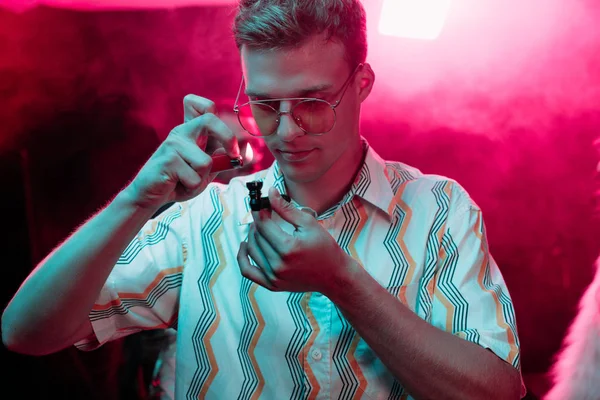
(505,312)
(138,243)
(343,355)
(359,188)
(209,318)
(397,175)
(457,308)
(404,265)
(254,325)
(441,193)
(364,181)
(279,181)
(293,352)
(397,391)
(350,383)
(165,280)
(314,332)
(508,315)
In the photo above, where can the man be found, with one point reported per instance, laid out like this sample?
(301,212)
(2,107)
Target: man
(374,282)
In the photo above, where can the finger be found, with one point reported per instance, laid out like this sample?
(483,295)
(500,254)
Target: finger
(262,214)
(249,271)
(287,211)
(271,232)
(190,182)
(209,125)
(192,155)
(195,106)
(259,257)
(267,249)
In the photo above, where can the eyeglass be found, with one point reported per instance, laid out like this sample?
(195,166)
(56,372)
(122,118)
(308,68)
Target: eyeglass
(313,116)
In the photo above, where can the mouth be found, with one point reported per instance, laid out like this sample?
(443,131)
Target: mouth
(295,156)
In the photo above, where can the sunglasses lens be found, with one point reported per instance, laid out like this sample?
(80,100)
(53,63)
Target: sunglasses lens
(313,116)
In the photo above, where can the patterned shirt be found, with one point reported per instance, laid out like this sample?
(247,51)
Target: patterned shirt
(420,236)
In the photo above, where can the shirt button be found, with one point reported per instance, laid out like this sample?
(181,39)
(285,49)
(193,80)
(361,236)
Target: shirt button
(316,355)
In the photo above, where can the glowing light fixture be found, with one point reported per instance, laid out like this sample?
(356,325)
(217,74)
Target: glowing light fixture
(416,19)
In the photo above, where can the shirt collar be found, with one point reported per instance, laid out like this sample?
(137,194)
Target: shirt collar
(371,184)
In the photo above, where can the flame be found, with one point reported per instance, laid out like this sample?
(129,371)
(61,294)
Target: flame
(248,154)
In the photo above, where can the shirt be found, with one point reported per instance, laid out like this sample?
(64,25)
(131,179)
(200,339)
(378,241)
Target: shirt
(420,236)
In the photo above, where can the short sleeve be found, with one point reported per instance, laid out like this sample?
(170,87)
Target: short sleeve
(142,291)
(471,299)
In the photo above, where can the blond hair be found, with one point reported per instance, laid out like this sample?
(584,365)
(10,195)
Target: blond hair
(287,24)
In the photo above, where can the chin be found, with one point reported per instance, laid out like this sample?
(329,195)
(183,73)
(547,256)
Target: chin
(300,173)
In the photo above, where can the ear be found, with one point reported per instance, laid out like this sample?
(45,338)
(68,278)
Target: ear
(366,78)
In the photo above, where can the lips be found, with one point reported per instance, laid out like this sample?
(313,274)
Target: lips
(295,155)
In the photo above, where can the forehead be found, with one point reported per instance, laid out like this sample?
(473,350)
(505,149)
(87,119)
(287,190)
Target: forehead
(280,73)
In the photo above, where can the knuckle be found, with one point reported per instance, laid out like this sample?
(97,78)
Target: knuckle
(188,98)
(197,184)
(168,158)
(164,178)
(178,132)
(278,270)
(172,140)
(288,246)
(209,118)
(205,162)
(245,273)
(200,103)
(210,105)
(195,106)
(175,131)
(251,248)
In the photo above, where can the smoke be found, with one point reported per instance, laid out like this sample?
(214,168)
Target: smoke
(505,101)
(498,66)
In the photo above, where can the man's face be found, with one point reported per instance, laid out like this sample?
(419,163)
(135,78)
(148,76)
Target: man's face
(294,73)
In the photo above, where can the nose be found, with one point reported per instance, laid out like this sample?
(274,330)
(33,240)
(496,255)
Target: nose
(288,129)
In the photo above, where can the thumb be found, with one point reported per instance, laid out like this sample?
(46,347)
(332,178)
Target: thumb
(285,209)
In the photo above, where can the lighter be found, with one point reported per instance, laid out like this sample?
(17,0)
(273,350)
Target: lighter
(222,162)
(257,202)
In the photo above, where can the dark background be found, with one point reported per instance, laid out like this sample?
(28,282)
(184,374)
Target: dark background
(510,111)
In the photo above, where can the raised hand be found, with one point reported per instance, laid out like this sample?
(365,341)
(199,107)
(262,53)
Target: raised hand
(180,168)
(309,260)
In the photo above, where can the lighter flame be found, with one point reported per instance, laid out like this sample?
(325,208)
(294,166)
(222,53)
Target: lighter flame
(248,154)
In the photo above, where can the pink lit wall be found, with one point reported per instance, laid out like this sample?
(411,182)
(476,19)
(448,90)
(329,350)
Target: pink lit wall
(506,100)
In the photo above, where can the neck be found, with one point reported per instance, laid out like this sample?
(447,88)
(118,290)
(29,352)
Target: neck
(332,186)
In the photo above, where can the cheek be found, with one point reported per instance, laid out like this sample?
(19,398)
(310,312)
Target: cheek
(334,146)
(347,115)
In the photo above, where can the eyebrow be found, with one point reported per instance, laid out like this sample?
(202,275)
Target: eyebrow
(302,93)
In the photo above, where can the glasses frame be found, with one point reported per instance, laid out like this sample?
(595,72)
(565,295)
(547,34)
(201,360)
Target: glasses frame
(344,88)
